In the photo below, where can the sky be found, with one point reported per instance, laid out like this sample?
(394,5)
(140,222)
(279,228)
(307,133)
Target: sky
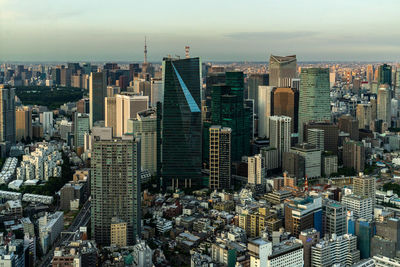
(215,30)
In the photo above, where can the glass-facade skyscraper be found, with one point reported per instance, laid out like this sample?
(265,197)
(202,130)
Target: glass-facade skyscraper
(228,110)
(181,123)
(314,100)
(282,70)
(385,74)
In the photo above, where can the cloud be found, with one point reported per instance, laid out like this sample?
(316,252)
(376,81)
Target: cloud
(271,35)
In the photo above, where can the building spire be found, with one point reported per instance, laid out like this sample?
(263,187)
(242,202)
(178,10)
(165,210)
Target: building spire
(145,50)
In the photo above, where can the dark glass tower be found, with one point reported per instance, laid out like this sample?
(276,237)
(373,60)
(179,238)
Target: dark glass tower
(181,123)
(385,74)
(228,110)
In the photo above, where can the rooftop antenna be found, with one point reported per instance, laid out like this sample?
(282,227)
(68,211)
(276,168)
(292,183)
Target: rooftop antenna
(187,48)
(145,50)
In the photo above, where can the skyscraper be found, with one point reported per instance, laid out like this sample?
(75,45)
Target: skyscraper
(7,116)
(81,126)
(97,94)
(353,155)
(285,101)
(264,110)
(385,74)
(253,82)
(110,112)
(364,115)
(364,186)
(314,100)
(228,110)
(127,107)
(315,137)
(384,105)
(333,217)
(23,123)
(282,70)
(349,125)
(256,170)
(115,186)
(181,122)
(279,133)
(220,158)
(144,126)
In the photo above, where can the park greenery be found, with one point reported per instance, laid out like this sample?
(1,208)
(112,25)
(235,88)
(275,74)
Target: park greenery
(391,186)
(52,97)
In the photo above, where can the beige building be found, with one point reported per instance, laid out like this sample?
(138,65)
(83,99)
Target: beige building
(220,157)
(23,123)
(127,107)
(364,115)
(111,114)
(118,232)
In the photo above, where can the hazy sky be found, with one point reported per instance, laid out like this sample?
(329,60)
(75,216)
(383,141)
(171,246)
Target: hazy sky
(67,30)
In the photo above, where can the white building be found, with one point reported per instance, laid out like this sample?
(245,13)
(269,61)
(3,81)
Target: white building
(50,226)
(264,110)
(381,261)
(362,207)
(142,255)
(46,118)
(279,134)
(336,250)
(285,254)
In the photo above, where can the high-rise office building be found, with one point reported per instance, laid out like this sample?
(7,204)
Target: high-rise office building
(253,82)
(144,126)
(312,159)
(82,106)
(385,74)
(110,112)
(97,94)
(364,115)
(349,125)
(279,133)
(23,123)
(228,110)
(46,119)
(115,186)
(370,74)
(362,207)
(282,70)
(220,158)
(256,170)
(127,107)
(331,134)
(354,155)
(309,238)
(338,250)
(264,110)
(364,186)
(7,116)
(314,99)
(81,127)
(157,92)
(293,164)
(181,122)
(384,105)
(334,218)
(302,214)
(315,137)
(285,102)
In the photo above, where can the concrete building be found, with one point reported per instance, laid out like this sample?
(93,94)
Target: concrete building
(157,92)
(144,126)
(50,226)
(285,254)
(111,114)
(256,170)
(142,254)
(364,115)
(220,158)
(23,123)
(279,133)
(312,159)
(46,119)
(331,134)
(383,105)
(309,238)
(315,137)
(118,232)
(119,193)
(349,125)
(294,164)
(329,164)
(334,218)
(354,155)
(271,158)
(127,107)
(302,214)
(336,250)
(364,186)
(360,206)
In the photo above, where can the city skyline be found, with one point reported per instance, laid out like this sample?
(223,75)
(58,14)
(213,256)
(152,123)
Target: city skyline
(225,32)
